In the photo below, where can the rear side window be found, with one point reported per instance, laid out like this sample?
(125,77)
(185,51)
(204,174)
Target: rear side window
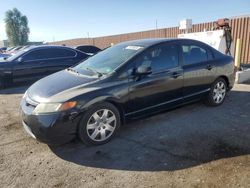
(194,54)
(63,53)
(160,58)
(88,49)
(48,54)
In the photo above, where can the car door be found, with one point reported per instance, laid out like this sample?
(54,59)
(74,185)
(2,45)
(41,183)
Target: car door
(198,69)
(30,66)
(161,88)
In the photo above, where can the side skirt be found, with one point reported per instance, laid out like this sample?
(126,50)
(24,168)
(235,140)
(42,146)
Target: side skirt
(167,105)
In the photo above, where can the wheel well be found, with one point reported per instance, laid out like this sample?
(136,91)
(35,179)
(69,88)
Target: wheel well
(120,109)
(226,79)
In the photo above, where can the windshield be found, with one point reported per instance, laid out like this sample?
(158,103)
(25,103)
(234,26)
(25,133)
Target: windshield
(108,60)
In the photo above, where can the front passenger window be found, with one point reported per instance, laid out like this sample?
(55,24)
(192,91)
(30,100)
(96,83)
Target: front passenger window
(160,58)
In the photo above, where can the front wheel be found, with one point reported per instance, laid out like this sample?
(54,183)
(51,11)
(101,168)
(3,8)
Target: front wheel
(99,124)
(217,93)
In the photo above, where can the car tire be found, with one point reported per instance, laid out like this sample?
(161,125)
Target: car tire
(217,93)
(99,124)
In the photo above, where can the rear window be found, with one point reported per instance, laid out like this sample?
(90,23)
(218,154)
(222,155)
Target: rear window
(88,49)
(59,53)
(193,54)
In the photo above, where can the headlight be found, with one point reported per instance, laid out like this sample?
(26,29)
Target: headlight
(53,107)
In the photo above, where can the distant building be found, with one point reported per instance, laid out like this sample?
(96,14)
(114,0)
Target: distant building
(5,43)
(35,43)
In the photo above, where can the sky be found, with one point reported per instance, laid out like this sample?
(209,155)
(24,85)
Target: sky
(54,20)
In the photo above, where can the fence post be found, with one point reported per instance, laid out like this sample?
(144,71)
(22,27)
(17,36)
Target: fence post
(237,54)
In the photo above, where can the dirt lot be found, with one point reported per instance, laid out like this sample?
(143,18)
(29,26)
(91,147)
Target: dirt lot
(192,146)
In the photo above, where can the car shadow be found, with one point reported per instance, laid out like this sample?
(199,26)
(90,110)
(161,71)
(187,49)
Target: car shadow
(173,140)
(19,88)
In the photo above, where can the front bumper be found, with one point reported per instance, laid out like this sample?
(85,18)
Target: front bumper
(52,128)
(28,130)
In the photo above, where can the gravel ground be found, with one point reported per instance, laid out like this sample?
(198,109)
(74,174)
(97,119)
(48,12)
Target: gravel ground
(192,146)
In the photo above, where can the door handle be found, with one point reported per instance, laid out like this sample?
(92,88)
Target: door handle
(176,74)
(209,67)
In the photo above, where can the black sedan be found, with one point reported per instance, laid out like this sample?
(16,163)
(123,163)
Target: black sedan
(36,62)
(128,80)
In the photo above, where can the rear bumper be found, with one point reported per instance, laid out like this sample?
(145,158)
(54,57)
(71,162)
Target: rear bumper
(54,128)
(231,80)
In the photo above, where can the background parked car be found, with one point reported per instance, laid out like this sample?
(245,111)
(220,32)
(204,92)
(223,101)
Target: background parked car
(9,48)
(26,46)
(14,50)
(4,56)
(36,62)
(3,49)
(89,49)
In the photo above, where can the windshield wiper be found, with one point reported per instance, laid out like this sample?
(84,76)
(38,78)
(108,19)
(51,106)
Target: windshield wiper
(95,71)
(71,69)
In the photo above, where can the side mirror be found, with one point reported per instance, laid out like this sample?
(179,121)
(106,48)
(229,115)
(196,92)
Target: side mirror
(143,70)
(20,60)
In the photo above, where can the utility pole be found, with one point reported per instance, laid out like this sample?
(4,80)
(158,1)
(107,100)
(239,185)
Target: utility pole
(88,37)
(156,28)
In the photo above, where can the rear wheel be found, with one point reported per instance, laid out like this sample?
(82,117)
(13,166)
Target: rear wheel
(217,93)
(99,124)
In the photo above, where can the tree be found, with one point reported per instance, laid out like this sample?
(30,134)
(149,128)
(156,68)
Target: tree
(16,26)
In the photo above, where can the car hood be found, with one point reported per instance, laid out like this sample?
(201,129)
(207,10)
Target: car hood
(60,87)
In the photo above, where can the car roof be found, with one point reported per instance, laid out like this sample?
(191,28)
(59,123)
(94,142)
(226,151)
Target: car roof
(145,42)
(153,41)
(51,46)
(86,46)
(47,46)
